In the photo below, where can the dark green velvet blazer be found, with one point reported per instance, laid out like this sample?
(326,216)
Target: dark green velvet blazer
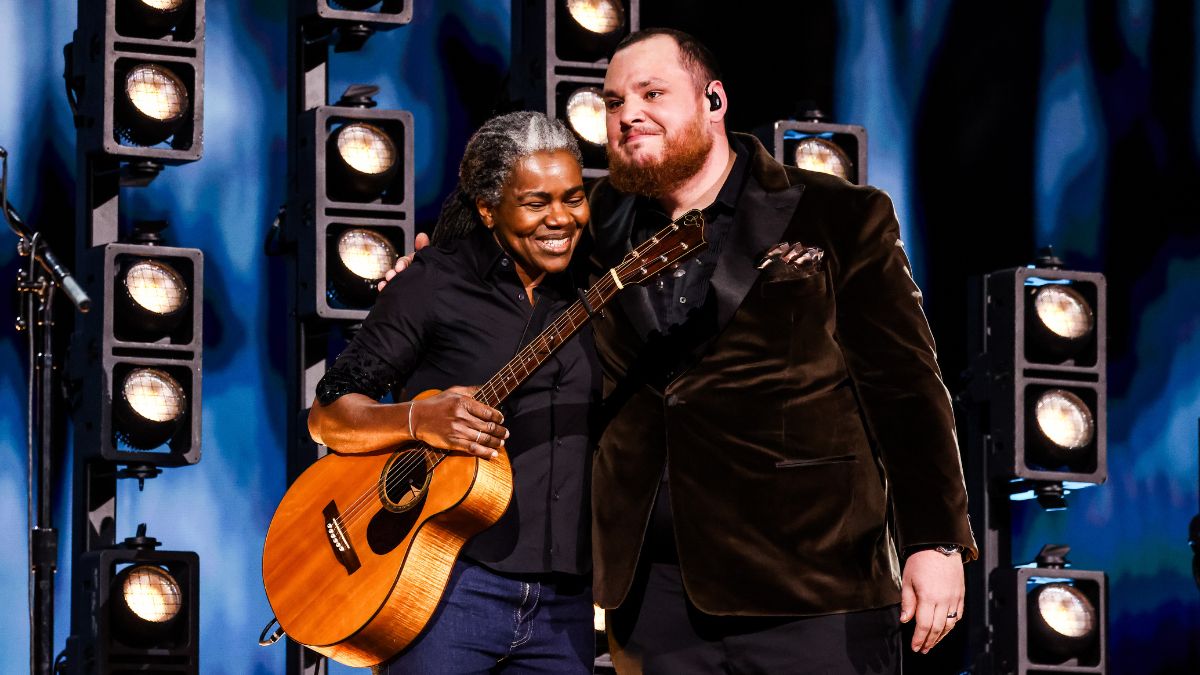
(799,410)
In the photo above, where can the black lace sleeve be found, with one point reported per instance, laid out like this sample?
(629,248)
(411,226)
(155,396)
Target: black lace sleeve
(355,374)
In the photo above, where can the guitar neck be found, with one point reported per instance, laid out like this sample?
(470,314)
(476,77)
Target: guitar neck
(678,241)
(534,354)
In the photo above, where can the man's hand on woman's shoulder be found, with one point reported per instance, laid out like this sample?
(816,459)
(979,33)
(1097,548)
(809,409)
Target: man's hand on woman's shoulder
(419,242)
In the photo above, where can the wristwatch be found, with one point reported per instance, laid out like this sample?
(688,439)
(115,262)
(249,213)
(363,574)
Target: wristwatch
(949,549)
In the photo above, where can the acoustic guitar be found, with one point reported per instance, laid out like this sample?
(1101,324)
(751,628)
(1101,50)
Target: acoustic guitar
(361,547)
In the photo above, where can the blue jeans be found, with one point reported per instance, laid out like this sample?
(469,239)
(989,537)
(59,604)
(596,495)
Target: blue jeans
(492,623)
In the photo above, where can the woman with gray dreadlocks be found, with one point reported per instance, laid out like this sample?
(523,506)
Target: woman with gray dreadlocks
(519,598)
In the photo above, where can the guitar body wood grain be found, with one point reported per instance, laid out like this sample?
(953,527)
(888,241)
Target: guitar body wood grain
(364,616)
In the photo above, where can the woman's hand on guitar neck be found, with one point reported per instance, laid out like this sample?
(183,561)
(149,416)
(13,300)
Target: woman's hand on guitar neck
(453,420)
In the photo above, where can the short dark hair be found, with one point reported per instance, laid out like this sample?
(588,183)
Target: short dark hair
(695,56)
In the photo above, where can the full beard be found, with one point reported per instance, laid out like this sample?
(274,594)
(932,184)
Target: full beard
(682,157)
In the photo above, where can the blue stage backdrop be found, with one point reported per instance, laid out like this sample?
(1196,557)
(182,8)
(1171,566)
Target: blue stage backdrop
(1104,139)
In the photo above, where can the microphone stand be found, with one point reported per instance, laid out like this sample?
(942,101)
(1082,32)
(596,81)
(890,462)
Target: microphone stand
(36,283)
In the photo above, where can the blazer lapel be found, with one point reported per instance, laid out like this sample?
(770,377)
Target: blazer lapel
(612,243)
(760,221)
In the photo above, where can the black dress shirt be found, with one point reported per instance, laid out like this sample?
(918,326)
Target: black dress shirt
(456,317)
(675,294)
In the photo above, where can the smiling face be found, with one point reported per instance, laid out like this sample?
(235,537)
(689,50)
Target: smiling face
(659,131)
(542,212)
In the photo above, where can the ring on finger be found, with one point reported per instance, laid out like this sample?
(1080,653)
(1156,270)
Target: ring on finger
(478,435)
(952,615)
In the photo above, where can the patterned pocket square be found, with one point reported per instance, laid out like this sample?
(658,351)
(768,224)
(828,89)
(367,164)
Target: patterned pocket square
(792,261)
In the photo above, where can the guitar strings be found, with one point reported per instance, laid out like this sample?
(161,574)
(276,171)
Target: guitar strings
(409,466)
(573,318)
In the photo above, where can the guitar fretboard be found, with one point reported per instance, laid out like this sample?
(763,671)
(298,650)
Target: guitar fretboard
(495,390)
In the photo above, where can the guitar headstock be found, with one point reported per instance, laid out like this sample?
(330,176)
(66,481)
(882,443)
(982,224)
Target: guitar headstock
(670,246)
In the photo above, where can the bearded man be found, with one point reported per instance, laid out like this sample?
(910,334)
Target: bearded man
(780,436)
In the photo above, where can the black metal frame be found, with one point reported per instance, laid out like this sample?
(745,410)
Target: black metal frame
(538,70)
(851,138)
(93,80)
(391,216)
(98,649)
(97,345)
(104,164)
(1013,373)
(994,417)
(391,13)
(1011,613)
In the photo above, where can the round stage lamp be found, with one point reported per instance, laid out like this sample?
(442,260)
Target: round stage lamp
(1064,428)
(822,155)
(585,113)
(1061,323)
(153,104)
(150,18)
(149,408)
(598,16)
(363,257)
(1062,621)
(146,600)
(152,298)
(362,161)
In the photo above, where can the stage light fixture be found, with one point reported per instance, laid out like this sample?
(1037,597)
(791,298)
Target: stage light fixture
(1064,420)
(1060,323)
(598,16)
(362,161)
(1049,617)
(150,406)
(560,50)
(138,353)
(150,18)
(358,175)
(154,105)
(363,257)
(586,31)
(139,610)
(1062,621)
(150,599)
(366,254)
(1040,371)
(811,143)
(137,72)
(151,298)
(822,155)
(585,113)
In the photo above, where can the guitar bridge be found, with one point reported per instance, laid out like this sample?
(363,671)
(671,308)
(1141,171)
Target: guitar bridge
(339,540)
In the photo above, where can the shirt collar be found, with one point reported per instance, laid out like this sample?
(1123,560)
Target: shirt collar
(490,260)
(732,189)
(485,252)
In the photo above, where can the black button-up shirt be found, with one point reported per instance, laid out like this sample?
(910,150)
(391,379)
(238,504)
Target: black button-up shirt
(456,317)
(674,294)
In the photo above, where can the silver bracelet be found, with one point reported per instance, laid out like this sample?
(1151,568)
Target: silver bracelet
(411,435)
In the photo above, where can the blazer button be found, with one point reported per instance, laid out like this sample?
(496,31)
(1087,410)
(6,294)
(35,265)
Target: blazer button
(672,401)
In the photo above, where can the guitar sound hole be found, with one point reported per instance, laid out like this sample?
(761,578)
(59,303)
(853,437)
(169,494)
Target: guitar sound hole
(404,480)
